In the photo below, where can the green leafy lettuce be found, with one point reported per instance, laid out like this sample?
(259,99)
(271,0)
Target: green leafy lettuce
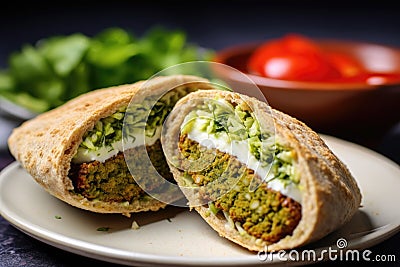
(58,68)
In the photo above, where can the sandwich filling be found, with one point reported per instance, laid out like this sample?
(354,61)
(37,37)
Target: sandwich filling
(99,170)
(235,155)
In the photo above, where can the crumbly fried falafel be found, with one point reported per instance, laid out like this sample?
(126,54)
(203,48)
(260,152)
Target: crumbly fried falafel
(112,180)
(264,213)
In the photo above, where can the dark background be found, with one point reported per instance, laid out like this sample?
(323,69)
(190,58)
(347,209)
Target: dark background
(211,24)
(214,24)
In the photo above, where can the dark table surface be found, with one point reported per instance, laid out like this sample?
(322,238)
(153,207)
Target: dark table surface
(209,24)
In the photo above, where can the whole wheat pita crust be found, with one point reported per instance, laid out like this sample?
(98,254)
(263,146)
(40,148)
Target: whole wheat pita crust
(45,145)
(330,194)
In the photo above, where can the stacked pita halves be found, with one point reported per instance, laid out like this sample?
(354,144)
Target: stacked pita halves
(306,194)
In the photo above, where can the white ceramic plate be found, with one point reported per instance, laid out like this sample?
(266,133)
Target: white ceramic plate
(180,237)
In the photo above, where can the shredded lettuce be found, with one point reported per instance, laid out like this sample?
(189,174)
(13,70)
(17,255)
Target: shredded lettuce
(146,116)
(220,118)
(105,132)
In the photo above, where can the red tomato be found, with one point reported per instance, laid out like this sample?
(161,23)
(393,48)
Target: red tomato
(382,78)
(298,44)
(292,58)
(299,67)
(263,53)
(295,57)
(347,66)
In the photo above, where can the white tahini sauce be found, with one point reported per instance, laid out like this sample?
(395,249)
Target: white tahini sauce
(106,152)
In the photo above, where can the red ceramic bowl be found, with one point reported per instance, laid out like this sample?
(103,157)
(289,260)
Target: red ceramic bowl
(325,106)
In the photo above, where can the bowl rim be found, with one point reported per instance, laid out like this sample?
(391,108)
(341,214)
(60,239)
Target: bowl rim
(223,54)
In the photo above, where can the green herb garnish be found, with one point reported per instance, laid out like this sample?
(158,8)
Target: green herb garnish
(46,74)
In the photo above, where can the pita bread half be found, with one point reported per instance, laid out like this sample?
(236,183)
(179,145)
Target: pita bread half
(46,144)
(330,195)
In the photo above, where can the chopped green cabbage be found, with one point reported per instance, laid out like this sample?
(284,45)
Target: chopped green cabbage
(220,118)
(146,116)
